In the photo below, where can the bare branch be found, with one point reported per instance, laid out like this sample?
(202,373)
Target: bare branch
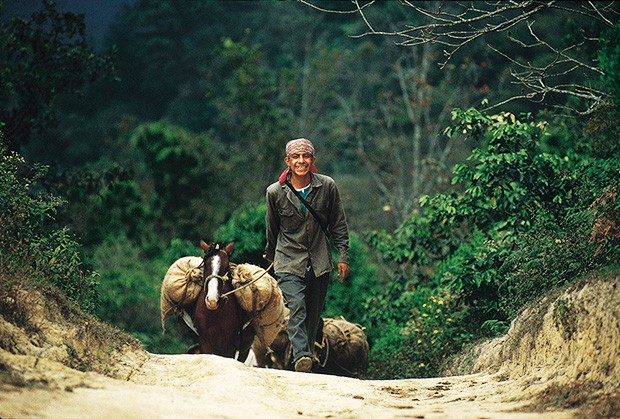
(454,25)
(343,12)
(359,9)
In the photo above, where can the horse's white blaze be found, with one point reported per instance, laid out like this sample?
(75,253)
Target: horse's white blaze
(213,294)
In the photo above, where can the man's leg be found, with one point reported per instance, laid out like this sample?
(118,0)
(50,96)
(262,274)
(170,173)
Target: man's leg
(293,288)
(316,291)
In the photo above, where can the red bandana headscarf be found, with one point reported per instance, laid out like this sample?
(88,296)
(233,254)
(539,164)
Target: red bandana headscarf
(300,145)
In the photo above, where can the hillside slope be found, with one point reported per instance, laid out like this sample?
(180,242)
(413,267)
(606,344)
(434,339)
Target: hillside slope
(564,350)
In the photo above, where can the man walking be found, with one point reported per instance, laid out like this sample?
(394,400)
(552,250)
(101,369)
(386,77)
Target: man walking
(298,224)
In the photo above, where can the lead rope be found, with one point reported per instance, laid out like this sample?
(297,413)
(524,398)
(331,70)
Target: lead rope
(248,284)
(323,344)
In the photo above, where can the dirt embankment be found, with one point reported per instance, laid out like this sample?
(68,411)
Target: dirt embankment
(563,352)
(558,358)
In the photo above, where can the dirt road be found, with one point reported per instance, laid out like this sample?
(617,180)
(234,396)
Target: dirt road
(538,368)
(192,386)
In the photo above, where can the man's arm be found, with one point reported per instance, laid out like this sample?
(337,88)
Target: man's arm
(339,232)
(272,223)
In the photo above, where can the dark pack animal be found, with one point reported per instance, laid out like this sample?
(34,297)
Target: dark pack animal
(341,348)
(219,322)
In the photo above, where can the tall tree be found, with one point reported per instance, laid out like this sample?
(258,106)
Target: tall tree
(42,58)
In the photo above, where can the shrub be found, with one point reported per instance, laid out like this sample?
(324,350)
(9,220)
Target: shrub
(520,222)
(130,291)
(416,344)
(30,250)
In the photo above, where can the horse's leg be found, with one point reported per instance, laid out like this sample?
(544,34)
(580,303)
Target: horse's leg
(246,335)
(205,346)
(229,327)
(202,317)
(234,332)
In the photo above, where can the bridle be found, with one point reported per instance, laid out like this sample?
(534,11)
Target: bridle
(215,249)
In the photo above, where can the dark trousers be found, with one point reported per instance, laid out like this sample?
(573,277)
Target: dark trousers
(305,299)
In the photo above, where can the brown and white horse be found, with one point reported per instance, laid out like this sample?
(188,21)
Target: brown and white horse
(220,322)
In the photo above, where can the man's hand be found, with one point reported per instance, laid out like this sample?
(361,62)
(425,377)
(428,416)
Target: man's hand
(343,271)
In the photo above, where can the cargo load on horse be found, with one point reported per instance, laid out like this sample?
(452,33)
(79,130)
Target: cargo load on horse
(258,293)
(197,290)
(181,286)
(343,349)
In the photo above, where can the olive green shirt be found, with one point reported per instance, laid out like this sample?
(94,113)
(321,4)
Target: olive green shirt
(294,238)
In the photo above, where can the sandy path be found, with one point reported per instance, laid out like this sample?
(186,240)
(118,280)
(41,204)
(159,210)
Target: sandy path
(187,386)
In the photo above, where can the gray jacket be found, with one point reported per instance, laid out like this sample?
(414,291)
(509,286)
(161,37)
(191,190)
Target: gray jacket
(294,238)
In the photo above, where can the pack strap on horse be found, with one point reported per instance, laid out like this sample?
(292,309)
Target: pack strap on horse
(233,266)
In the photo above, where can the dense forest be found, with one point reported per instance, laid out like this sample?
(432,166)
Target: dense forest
(475,148)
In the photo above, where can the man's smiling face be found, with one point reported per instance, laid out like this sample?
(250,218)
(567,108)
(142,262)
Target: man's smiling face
(300,163)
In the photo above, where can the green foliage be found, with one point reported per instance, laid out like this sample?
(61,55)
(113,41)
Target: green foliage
(471,272)
(179,248)
(418,244)
(245,227)
(187,179)
(415,344)
(101,202)
(29,248)
(251,113)
(22,214)
(130,291)
(40,59)
(511,181)
(58,257)
(609,61)
(521,223)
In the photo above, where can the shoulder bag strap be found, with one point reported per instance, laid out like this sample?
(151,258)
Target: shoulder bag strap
(314,214)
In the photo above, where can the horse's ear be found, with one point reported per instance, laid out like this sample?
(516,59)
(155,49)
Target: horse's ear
(204,246)
(229,248)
